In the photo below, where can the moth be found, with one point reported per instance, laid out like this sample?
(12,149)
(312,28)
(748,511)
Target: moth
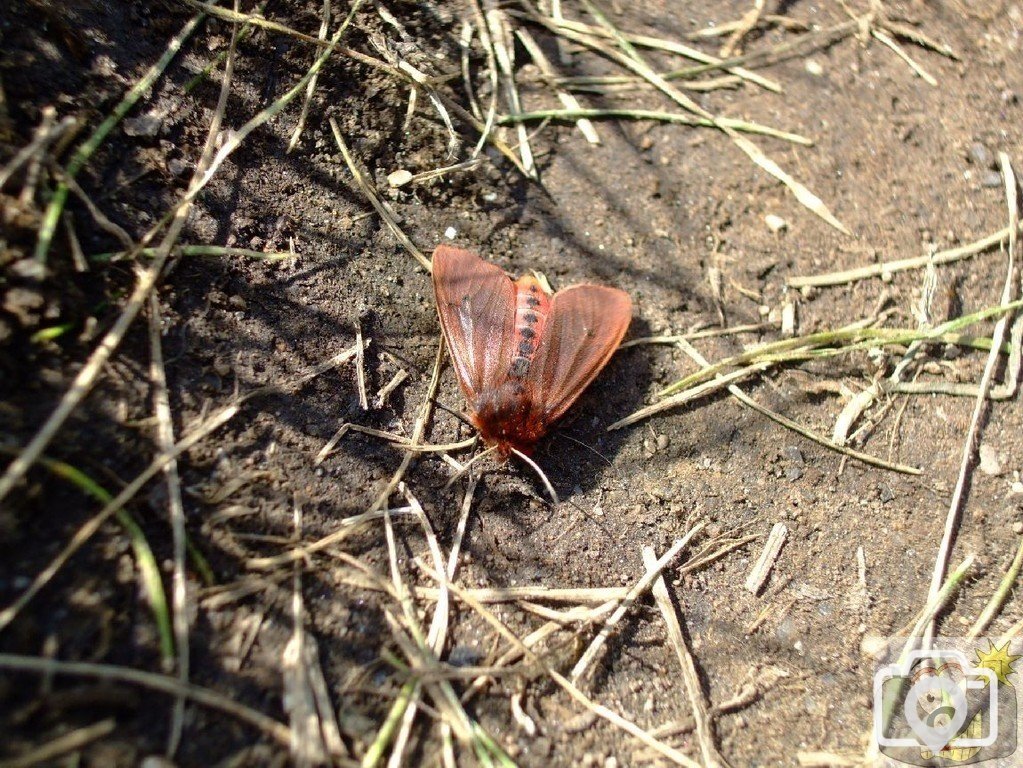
(522,356)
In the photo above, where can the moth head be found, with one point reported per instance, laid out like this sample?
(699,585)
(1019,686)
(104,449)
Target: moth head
(506,418)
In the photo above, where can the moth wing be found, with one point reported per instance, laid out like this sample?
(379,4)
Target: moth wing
(584,328)
(476,304)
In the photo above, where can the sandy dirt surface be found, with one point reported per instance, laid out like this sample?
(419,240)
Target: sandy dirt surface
(676,215)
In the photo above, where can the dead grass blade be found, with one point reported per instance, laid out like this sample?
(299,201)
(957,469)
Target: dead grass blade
(371,194)
(887,268)
(190,439)
(148,276)
(84,153)
(690,677)
(205,697)
(176,513)
(980,406)
(641,586)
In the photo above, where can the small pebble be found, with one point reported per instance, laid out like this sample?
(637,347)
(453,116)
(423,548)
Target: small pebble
(792,453)
(793,473)
(143,125)
(990,461)
(450,233)
(177,167)
(1017,527)
(980,156)
(775,223)
(663,441)
(991,179)
(399,178)
(885,493)
(814,67)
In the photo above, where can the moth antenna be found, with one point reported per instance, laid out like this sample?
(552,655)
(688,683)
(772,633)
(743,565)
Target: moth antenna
(465,467)
(540,474)
(457,414)
(587,447)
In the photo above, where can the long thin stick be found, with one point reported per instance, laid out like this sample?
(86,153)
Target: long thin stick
(979,408)
(690,678)
(900,265)
(176,509)
(162,683)
(638,589)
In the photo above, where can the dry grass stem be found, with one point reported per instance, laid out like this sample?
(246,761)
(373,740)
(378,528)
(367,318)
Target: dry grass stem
(569,101)
(573,691)
(360,367)
(504,52)
(885,268)
(690,677)
(72,741)
(269,727)
(418,430)
(772,548)
(786,422)
(388,389)
(894,46)
(958,500)
(703,334)
(346,527)
(578,114)
(671,46)
(315,736)
(176,513)
(367,188)
(641,586)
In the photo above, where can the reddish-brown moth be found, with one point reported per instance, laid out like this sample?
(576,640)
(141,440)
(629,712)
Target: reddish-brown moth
(522,356)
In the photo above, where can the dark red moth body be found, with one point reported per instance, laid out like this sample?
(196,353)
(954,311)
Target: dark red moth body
(522,356)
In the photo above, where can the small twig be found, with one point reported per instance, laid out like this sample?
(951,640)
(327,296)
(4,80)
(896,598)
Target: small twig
(161,683)
(360,367)
(897,49)
(68,742)
(890,267)
(980,406)
(629,600)
(176,511)
(690,677)
(772,548)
